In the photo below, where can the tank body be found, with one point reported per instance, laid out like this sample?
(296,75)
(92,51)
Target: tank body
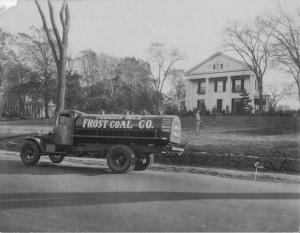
(162,128)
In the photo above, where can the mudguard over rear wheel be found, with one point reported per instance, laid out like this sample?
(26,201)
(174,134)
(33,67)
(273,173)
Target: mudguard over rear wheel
(121,158)
(30,153)
(144,162)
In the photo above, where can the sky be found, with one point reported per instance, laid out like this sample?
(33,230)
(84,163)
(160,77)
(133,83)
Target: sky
(127,27)
(8,3)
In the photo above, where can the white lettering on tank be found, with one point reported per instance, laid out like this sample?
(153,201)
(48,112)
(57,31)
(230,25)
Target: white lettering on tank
(90,123)
(105,124)
(129,125)
(112,124)
(84,123)
(123,124)
(117,124)
(148,124)
(142,124)
(95,123)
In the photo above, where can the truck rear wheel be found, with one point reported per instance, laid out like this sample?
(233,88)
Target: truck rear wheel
(56,158)
(30,153)
(120,159)
(144,162)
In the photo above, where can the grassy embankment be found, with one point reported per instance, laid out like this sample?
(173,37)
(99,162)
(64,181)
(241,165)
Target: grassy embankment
(245,135)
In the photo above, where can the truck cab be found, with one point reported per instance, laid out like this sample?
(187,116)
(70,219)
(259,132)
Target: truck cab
(64,127)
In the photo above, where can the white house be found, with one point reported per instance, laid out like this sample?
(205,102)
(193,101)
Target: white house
(217,83)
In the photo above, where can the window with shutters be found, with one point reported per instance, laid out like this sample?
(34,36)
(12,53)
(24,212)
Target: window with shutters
(237,85)
(220,86)
(201,87)
(217,66)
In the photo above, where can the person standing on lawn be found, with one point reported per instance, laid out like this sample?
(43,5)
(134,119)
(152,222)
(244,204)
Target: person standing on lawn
(198,121)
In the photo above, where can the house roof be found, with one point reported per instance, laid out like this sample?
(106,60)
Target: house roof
(213,56)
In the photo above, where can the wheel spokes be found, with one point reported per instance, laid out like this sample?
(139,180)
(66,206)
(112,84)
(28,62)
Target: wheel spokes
(119,159)
(28,153)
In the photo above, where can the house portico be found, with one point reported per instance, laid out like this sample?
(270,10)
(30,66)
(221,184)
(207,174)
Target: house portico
(217,83)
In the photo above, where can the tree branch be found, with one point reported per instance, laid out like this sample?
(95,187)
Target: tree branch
(47,32)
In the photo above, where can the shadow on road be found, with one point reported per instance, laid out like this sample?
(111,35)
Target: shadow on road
(38,200)
(44,168)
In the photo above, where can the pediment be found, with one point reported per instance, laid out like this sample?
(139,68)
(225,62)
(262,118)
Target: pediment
(217,63)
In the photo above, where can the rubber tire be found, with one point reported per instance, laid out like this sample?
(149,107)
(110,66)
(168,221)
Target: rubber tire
(129,155)
(30,145)
(140,166)
(56,160)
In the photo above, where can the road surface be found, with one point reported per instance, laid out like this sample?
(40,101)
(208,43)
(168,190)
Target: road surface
(76,197)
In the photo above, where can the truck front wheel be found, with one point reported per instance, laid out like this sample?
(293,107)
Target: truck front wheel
(56,158)
(120,159)
(30,153)
(144,162)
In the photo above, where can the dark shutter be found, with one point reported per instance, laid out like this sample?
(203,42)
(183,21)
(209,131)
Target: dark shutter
(242,84)
(216,86)
(224,86)
(233,85)
(199,85)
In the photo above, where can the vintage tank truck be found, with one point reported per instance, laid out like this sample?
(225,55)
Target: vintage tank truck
(128,142)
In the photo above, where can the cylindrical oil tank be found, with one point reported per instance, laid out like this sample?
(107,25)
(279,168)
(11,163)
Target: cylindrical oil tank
(155,127)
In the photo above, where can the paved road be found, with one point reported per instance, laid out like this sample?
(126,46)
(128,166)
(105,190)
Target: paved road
(75,197)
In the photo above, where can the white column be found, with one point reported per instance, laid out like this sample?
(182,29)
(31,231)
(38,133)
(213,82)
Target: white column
(207,92)
(187,95)
(229,92)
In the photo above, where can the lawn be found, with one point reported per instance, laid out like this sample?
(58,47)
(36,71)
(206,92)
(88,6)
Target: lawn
(261,136)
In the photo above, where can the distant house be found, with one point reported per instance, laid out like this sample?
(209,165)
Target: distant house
(32,108)
(217,83)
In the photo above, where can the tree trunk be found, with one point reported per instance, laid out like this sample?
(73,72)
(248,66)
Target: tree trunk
(46,103)
(61,87)
(158,104)
(298,86)
(46,97)
(260,90)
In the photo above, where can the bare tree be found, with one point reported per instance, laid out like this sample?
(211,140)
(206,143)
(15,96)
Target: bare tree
(278,94)
(161,60)
(59,52)
(89,66)
(287,36)
(70,63)
(35,53)
(6,55)
(178,85)
(253,44)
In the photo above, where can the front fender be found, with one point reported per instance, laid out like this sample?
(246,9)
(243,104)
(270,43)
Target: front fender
(37,141)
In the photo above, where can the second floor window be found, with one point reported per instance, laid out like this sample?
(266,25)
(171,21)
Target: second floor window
(201,87)
(237,85)
(220,86)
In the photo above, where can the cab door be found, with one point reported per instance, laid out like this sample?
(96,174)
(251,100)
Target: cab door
(64,129)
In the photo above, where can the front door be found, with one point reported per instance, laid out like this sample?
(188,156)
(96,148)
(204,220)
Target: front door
(219,105)
(64,130)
